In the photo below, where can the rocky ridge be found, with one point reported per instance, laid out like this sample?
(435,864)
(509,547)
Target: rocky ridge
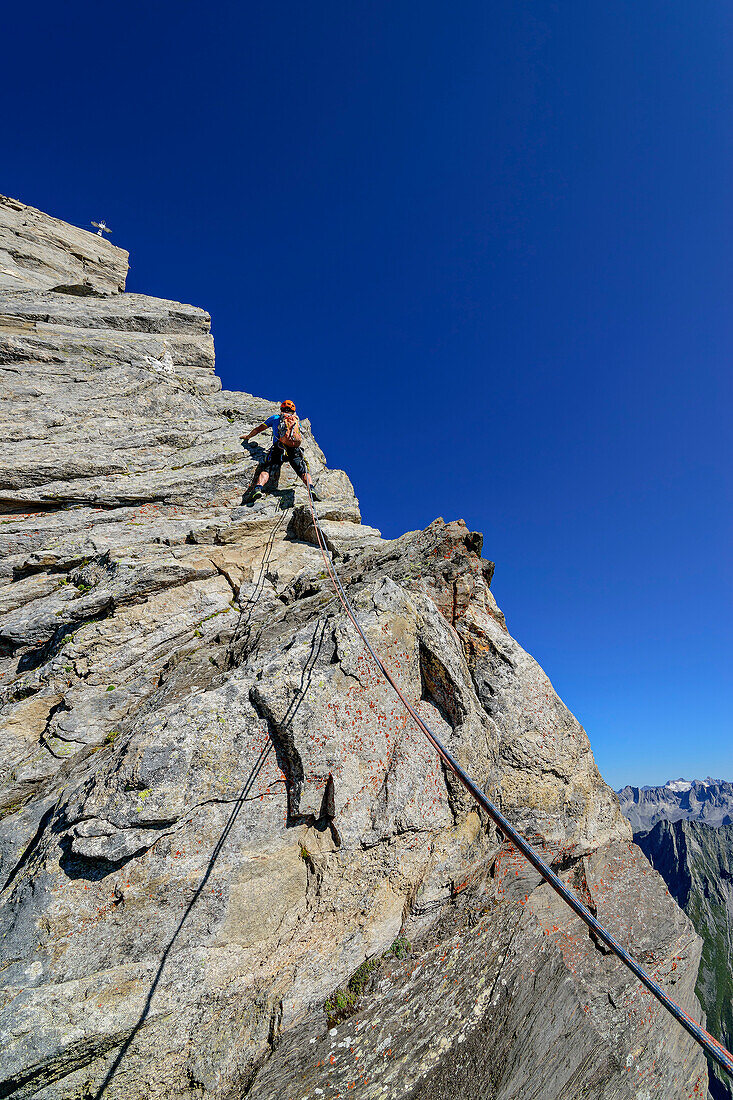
(215,814)
(708,800)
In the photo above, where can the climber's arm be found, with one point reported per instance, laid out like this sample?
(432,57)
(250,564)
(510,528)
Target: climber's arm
(255,431)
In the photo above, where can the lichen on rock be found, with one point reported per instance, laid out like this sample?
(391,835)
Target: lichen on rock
(215,810)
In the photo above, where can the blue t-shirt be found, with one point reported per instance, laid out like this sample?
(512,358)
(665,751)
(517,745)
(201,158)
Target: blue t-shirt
(274,423)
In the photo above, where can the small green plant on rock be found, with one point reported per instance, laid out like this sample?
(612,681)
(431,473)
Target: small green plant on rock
(342,1003)
(400,949)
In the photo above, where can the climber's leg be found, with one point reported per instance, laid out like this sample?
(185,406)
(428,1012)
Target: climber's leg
(267,474)
(273,465)
(296,458)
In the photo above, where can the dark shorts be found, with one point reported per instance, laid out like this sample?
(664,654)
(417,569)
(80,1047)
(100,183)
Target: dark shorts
(279,454)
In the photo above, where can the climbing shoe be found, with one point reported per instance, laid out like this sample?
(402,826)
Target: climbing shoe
(315,494)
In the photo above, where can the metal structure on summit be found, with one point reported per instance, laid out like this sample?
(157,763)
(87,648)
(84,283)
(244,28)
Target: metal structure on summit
(101,228)
(712,1047)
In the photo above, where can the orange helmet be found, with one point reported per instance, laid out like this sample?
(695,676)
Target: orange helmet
(287,406)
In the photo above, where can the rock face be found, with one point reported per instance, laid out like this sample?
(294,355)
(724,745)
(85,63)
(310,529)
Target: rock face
(709,800)
(47,254)
(696,862)
(232,867)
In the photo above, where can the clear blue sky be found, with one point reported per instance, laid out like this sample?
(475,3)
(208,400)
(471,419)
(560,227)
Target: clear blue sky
(486,247)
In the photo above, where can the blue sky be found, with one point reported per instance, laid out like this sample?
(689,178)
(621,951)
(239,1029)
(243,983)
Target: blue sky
(487,249)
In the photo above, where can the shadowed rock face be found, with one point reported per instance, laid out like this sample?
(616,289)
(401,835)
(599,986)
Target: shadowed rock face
(696,862)
(215,810)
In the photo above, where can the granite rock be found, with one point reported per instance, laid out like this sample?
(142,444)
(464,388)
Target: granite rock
(44,253)
(215,813)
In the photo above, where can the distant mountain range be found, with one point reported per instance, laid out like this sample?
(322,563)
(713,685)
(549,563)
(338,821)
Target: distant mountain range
(685,830)
(708,800)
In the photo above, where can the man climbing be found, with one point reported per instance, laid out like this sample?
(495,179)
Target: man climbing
(286,445)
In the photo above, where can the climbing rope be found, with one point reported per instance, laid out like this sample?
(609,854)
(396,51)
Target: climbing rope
(246,610)
(711,1045)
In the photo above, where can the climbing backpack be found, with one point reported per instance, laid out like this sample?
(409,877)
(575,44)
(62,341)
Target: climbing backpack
(289,430)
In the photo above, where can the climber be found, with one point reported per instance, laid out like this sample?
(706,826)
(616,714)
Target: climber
(286,444)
